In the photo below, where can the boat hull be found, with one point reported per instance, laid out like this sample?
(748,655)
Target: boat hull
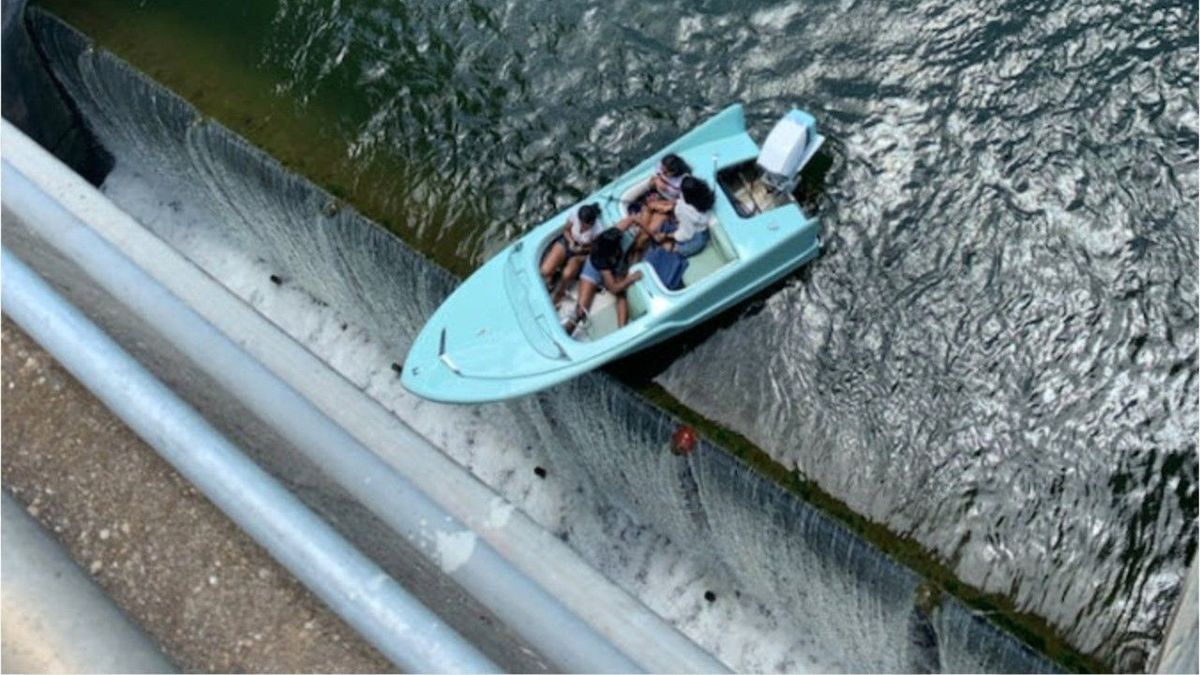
(498,335)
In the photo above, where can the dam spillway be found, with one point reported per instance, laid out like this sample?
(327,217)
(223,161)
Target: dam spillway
(243,217)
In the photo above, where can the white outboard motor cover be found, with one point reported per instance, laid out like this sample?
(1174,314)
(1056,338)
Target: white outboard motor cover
(784,149)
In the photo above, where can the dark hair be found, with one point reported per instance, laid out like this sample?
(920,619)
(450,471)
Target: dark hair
(675,165)
(697,193)
(588,213)
(606,251)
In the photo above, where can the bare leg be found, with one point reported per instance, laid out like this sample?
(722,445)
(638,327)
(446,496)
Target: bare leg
(553,260)
(642,219)
(622,310)
(587,293)
(570,273)
(559,290)
(639,246)
(653,224)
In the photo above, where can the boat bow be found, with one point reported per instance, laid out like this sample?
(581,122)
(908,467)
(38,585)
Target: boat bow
(496,335)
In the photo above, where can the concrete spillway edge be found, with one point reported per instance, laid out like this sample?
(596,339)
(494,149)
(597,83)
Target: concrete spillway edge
(1179,649)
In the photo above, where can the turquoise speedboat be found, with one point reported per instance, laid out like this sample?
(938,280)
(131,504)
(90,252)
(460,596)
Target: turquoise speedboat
(499,336)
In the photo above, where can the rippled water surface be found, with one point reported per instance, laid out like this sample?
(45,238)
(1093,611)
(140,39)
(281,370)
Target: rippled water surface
(996,354)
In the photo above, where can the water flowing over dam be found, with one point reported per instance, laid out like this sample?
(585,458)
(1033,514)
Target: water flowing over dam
(1014,391)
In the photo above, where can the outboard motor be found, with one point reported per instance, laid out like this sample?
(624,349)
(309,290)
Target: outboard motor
(768,182)
(788,147)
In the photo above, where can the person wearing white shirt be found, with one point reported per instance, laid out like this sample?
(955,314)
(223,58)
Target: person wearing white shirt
(692,214)
(569,250)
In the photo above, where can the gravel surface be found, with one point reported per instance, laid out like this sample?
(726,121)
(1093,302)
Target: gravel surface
(212,598)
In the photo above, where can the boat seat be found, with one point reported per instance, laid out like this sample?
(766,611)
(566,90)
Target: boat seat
(715,255)
(602,318)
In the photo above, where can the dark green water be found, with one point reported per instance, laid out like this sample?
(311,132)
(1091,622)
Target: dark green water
(996,355)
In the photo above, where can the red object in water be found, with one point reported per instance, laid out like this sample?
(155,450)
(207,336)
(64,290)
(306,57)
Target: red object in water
(683,441)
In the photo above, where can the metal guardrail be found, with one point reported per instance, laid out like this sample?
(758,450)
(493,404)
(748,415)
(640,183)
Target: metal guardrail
(403,629)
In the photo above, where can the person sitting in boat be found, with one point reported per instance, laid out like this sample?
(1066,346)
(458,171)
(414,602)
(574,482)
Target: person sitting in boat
(655,208)
(686,232)
(684,229)
(569,250)
(601,270)
(665,184)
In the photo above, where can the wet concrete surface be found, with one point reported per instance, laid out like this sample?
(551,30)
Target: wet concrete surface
(211,597)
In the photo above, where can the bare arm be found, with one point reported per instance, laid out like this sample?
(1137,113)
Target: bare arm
(615,285)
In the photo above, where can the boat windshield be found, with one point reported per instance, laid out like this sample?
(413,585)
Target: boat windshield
(534,316)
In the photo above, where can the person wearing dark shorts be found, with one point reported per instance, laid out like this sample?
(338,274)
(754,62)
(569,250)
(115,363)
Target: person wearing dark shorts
(569,249)
(601,270)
